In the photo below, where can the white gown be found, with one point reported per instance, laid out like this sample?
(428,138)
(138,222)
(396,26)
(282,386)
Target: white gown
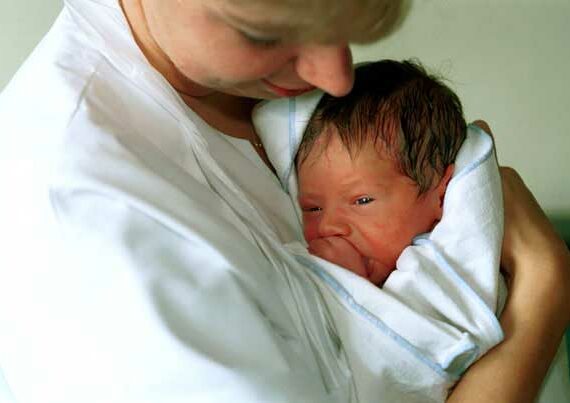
(143,257)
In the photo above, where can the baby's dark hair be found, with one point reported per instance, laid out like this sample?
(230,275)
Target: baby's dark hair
(416,119)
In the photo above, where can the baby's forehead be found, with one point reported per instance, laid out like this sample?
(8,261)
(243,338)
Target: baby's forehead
(332,162)
(330,145)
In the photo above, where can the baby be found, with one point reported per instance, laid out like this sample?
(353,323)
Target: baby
(371,171)
(373,166)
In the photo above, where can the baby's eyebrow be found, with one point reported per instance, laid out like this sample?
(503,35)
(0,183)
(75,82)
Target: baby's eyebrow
(350,181)
(306,196)
(348,186)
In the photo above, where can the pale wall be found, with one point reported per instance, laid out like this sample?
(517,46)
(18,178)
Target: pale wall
(22,24)
(509,60)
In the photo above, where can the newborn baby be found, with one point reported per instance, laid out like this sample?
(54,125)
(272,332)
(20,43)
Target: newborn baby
(373,170)
(373,166)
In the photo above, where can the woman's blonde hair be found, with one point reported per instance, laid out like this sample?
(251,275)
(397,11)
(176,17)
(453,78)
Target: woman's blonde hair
(356,21)
(408,114)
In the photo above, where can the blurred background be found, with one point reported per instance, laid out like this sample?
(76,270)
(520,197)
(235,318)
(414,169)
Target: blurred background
(508,60)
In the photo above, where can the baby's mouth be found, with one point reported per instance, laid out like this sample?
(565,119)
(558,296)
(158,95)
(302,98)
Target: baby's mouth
(367,266)
(368,270)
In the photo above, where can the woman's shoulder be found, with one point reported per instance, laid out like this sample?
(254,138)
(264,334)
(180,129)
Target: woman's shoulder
(49,83)
(80,91)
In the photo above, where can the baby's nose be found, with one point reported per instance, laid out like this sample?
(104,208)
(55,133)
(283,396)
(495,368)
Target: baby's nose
(333,225)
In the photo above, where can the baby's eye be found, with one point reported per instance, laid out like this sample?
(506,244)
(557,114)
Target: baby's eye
(364,200)
(311,209)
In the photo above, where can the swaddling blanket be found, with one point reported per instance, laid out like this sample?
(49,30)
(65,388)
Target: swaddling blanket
(437,311)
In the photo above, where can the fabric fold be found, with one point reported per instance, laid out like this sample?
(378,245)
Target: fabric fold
(441,303)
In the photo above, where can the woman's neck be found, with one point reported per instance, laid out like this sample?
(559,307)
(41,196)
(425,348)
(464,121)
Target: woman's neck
(135,15)
(229,114)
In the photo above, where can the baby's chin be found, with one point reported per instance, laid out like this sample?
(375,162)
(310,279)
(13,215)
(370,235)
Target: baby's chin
(376,271)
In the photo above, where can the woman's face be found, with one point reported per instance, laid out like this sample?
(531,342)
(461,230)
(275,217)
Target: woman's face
(254,48)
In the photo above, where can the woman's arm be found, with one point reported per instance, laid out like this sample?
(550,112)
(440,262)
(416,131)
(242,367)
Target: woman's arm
(538,308)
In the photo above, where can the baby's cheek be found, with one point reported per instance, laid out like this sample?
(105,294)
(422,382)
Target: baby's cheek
(310,230)
(386,250)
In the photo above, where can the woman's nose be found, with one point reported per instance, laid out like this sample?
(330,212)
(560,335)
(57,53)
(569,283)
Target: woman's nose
(328,67)
(331,224)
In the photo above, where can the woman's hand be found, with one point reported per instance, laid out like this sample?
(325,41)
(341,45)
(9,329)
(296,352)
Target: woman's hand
(535,259)
(537,265)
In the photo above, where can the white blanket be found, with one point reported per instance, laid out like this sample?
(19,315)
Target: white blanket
(440,304)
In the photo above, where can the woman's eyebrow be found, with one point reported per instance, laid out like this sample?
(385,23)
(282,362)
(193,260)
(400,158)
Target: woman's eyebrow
(260,26)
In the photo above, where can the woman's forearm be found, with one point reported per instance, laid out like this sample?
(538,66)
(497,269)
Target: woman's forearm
(537,310)
(514,370)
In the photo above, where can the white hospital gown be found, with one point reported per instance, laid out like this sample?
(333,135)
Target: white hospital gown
(143,257)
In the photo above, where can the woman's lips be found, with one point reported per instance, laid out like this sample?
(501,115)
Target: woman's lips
(286,92)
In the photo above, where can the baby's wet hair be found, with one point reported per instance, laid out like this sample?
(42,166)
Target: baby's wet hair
(407,113)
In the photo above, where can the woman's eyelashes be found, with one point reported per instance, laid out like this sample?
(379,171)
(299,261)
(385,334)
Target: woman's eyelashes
(260,41)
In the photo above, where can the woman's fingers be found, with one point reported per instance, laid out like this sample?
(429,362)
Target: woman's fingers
(483,125)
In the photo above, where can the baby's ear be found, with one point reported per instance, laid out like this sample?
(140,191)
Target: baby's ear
(437,193)
(444,181)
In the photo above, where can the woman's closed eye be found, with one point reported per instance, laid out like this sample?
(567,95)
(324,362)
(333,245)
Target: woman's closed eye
(260,40)
(363,200)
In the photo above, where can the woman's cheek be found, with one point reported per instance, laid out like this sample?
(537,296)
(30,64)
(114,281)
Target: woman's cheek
(251,62)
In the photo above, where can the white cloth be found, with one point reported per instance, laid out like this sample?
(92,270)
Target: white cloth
(450,277)
(143,257)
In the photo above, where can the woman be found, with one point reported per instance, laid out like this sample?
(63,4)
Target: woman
(143,268)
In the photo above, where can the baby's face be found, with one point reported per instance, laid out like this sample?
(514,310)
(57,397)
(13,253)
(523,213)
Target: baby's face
(366,201)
